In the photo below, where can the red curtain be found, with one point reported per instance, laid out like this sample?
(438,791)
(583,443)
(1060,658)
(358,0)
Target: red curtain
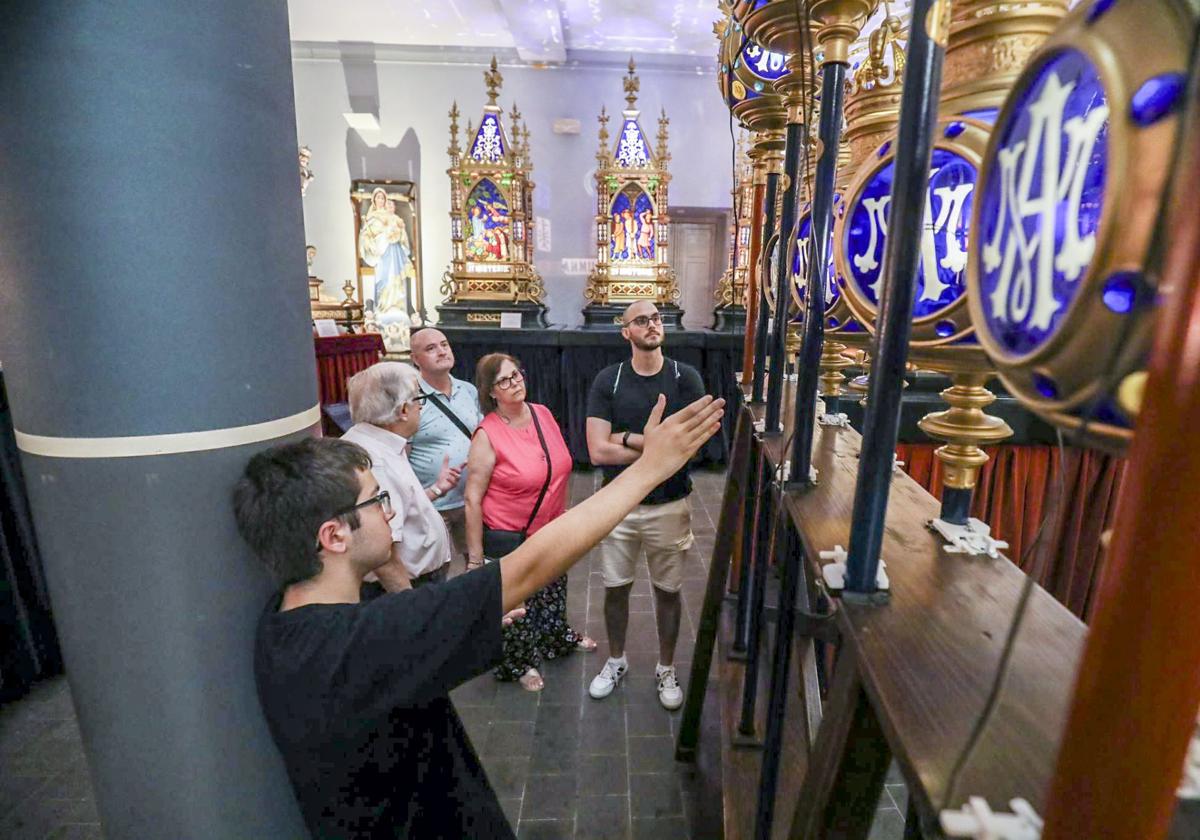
(341,356)
(1022,484)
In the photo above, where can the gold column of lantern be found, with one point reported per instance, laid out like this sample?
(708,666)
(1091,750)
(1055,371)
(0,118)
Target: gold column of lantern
(491,221)
(990,41)
(730,294)
(777,27)
(632,220)
(873,94)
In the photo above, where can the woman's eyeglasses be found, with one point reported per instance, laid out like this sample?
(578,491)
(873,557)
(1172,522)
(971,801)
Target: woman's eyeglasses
(506,382)
(643,321)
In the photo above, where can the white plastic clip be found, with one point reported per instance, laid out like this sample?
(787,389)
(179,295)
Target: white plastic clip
(835,572)
(783,472)
(760,426)
(973,538)
(839,420)
(897,464)
(977,820)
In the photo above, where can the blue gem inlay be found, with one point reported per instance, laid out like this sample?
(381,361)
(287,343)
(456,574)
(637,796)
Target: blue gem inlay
(987,115)
(941,273)
(1039,214)
(954,129)
(1158,96)
(1099,7)
(759,86)
(1120,292)
(883,150)
(1045,386)
(945,329)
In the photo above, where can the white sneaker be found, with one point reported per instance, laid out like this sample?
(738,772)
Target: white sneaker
(607,679)
(669,692)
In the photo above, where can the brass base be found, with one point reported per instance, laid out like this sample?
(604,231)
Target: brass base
(833,362)
(964,427)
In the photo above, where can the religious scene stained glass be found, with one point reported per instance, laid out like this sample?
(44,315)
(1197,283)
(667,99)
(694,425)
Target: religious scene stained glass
(632,226)
(488,236)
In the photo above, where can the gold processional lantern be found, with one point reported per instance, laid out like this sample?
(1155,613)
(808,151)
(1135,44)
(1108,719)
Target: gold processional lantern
(990,42)
(632,219)
(1062,281)
(731,289)
(747,76)
(491,221)
(778,25)
(872,112)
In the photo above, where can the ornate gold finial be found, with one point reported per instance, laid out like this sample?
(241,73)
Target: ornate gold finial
(453,149)
(603,153)
(470,133)
(632,86)
(493,80)
(514,117)
(663,154)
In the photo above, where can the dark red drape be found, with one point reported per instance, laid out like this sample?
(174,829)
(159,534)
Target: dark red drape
(341,356)
(1022,484)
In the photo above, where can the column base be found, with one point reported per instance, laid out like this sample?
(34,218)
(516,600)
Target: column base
(607,316)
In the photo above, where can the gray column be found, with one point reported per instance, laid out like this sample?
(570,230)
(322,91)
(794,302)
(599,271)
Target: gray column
(152,284)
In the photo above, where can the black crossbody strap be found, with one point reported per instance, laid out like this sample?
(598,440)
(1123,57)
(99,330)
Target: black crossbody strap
(445,409)
(549,470)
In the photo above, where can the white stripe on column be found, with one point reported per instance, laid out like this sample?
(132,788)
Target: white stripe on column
(171,444)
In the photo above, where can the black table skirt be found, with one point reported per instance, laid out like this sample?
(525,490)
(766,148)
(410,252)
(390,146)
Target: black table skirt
(28,642)
(561,363)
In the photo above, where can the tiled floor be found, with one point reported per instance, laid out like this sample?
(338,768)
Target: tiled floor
(565,766)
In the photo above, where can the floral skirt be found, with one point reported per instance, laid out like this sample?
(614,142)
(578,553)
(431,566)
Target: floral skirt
(542,634)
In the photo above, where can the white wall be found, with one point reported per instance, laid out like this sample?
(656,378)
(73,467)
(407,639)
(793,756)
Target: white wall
(414,99)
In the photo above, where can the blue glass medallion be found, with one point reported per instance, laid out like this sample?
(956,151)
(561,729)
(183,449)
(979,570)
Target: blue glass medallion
(801,262)
(1042,204)
(941,272)
(945,329)
(764,64)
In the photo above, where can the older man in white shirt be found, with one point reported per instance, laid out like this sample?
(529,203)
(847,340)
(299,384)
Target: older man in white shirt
(385,404)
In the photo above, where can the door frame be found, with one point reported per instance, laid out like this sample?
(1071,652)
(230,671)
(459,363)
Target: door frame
(718,218)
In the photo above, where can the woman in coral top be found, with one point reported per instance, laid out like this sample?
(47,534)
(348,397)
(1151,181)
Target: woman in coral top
(518,473)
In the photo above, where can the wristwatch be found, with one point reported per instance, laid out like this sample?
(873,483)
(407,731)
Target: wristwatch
(625,439)
(437,491)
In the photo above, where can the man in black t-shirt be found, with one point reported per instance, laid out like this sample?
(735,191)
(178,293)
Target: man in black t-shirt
(619,403)
(355,693)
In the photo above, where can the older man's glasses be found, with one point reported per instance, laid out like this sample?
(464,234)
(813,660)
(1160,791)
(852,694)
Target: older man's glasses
(643,321)
(515,378)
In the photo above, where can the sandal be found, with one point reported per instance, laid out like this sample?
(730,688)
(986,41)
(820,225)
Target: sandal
(531,680)
(585,644)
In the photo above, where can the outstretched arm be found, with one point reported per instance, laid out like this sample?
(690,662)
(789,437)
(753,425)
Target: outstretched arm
(551,551)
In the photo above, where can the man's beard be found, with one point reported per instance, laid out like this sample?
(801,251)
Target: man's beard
(648,343)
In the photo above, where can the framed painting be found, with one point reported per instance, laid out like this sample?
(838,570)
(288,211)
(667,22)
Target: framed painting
(388,256)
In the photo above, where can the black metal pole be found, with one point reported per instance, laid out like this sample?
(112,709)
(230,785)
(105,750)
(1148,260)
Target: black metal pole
(956,505)
(758,589)
(751,546)
(777,702)
(918,116)
(764,313)
(832,88)
(782,293)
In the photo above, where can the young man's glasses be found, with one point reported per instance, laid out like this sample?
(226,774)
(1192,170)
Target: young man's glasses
(643,321)
(421,398)
(383,499)
(506,382)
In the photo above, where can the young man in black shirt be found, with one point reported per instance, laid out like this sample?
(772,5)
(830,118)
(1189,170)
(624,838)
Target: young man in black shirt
(355,693)
(619,403)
